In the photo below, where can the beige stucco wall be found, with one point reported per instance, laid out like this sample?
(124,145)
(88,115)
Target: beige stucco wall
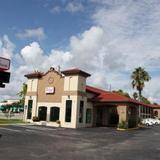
(32,85)
(58,84)
(34,106)
(122,111)
(71,83)
(78,124)
(90,106)
(71,124)
(74,83)
(81,84)
(66,88)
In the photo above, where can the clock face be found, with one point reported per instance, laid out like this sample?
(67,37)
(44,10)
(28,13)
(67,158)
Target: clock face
(50,80)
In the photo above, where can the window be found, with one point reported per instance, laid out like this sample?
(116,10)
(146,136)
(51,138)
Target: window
(54,114)
(29,111)
(81,111)
(68,110)
(42,113)
(88,115)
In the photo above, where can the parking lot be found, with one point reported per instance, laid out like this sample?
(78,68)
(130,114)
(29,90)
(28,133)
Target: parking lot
(26,142)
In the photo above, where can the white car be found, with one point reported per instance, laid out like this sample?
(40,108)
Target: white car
(150,121)
(156,121)
(147,122)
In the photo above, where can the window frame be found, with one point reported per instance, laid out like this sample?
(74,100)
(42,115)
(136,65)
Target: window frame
(68,111)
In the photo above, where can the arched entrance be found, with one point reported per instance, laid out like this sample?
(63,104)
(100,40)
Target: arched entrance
(54,114)
(42,113)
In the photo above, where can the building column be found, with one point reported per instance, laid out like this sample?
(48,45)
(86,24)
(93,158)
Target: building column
(122,112)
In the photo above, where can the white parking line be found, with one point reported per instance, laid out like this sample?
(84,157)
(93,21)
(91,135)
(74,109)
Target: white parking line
(12,130)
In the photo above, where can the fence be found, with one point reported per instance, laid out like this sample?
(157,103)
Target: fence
(11,115)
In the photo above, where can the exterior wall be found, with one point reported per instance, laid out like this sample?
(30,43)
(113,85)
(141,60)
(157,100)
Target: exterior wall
(81,84)
(32,85)
(74,89)
(122,111)
(71,83)
(82,124)
(34,107)
(90,95)
(49,105)
(71,124)
(89,105)
(57,83)
(145,112)
(158,111)
(75,83)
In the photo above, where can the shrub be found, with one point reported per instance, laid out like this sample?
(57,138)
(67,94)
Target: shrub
(35,119)
(58,122)
(123,125)
(132,122)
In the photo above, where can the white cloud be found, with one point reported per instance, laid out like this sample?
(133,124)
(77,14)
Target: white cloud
(71,7)
(36,33)
(125,35)
(74,7)
(55,9)
(6,47)
(35,58)
(32,54)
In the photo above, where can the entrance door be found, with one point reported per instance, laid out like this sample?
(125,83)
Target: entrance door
(113,117)
(42,113)
(99,120)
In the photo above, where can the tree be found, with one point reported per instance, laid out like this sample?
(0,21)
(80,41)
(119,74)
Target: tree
(145,100)
(22,93)
(139,77)
(135,95)
(123,93)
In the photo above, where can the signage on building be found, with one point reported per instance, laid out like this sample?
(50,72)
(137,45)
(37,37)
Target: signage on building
(4,63)
(4,77)
(49,90)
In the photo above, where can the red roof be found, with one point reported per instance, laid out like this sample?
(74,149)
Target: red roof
(75,71)
(107,96)
(34,75)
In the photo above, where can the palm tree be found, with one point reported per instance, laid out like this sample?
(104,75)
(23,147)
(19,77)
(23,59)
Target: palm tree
(22,93)
(135,95)
(139,77)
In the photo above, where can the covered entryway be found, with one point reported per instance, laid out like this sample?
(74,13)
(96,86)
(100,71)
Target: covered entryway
(106,116)
(42,113)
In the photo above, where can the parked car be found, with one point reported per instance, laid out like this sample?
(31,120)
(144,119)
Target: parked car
(150,121)
(156,121)
(147,122)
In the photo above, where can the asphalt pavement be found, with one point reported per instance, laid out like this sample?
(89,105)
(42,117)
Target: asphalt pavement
(27,142)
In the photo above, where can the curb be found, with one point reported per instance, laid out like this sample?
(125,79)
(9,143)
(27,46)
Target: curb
(129,129)
(12,124)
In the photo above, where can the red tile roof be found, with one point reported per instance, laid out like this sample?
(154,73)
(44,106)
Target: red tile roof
(107,96)
(34,75)
(75,71)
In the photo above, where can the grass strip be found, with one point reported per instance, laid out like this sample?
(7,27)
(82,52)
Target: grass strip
(10,121)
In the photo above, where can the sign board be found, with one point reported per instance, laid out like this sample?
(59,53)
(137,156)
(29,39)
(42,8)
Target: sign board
(4,77)
(49,90)
(4,63)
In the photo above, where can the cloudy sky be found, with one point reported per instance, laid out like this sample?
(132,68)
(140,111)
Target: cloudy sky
(107,38)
